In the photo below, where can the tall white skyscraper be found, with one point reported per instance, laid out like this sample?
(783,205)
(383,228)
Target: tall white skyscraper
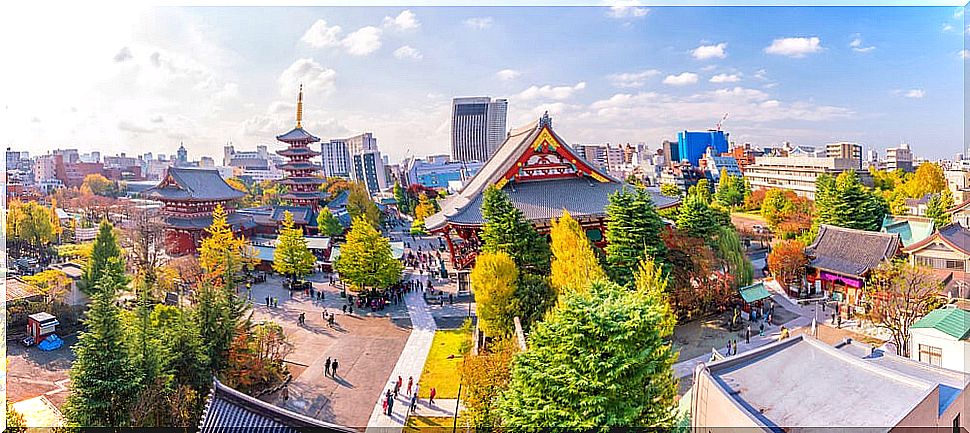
(336,158)
(477,127)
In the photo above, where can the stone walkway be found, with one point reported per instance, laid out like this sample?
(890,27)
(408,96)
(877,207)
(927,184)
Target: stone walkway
(410,364)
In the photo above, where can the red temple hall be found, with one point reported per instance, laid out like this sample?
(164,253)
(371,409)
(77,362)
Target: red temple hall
(542,176)
(189,195)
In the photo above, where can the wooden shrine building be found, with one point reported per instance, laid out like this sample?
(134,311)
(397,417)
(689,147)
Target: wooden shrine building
(542,176)
(189,195)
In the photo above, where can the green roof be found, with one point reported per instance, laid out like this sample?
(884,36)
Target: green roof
(754,292)
(909,231)
(954,322)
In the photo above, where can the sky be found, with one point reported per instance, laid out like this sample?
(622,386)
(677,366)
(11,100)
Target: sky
(140,80)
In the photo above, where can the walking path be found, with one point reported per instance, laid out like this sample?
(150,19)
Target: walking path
(442,408)
(410,364)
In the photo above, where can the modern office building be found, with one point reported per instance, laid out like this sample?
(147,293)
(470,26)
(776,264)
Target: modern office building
(671,151)
(844,150)
(692,145)
(798,173)
(477,127)
(369,170)
(336,158)
(361,143)
(436,171)
(900,157)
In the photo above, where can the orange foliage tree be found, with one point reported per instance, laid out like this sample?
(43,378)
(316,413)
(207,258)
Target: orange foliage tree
(698,282)
(787,261)
(256,357)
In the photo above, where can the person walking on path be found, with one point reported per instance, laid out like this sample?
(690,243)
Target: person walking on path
(286,393)
(397,386)
(414,403)
(734,347)
(410,383)
(416,386)
(431,396)
(345,308)
(747,335)
(390,406)
(326,367)
(333,368)
(330,320)
(761,329)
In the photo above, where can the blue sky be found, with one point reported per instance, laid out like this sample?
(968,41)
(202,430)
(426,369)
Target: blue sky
(141,80)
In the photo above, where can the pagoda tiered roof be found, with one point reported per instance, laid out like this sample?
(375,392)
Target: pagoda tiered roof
(192,184)
(298,151)
(300,165)
(297,135)
(542,176)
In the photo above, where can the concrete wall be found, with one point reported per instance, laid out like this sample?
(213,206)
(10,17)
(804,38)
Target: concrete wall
(955,352)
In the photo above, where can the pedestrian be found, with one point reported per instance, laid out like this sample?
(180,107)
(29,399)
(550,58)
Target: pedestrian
(761,329)
(397,386)
(267,301)
(350,310)
(286,393)
(333,368)
(330,320)
(384,405)
(727,348)
(345,308)
(414,403)
(431,396)
(326,367)
(823,306)
(410,383)
(390,406)
(734,347)
(747,335)
(416,388)
(451,299)
(324,313)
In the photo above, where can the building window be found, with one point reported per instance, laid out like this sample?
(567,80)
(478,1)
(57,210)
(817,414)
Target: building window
(954,264)
(931,355)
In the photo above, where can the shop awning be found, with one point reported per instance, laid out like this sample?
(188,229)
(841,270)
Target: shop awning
(754,293)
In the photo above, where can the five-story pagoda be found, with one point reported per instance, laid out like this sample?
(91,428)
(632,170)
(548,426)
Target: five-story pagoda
(301,177)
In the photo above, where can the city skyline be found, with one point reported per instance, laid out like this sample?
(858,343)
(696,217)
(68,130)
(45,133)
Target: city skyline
(153,78)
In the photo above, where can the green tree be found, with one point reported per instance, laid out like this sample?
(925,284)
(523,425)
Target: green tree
(493,279)
(327,224)
(186,362)
(507,230)
(104,380)
(366,260)
(697,218)
(148,356)
(534,296)
(729,249)
(217,316)
(670,190)
(401,195)
(359,204)
(731,190)
(222,254)
(105,249)
(574,264)
(846,202)
(292,257)
(632,233)
(938,206)
(602,359)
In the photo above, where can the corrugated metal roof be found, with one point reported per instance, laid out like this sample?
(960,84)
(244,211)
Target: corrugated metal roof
(954,322)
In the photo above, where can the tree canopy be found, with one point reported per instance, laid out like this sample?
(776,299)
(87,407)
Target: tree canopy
(846,202)
(292,257)
(328,224)
(632,233)
(938,208)
(507,230)
(494,280)
(105,249)
(359,204)
(601,359)
(366,260)
(899,294)
(222,254)
(574,264)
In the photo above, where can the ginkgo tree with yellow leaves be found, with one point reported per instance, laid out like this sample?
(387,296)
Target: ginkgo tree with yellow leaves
(292,257)
(366,260)
(222,254)
(574,264)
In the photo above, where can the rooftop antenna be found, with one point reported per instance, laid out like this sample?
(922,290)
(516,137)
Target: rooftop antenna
(299,108)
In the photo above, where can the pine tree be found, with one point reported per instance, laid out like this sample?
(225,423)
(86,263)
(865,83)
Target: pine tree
(104,381)
(148,355)
(632,233)
(574,264)
(845,202)
(327,224)
(493,279)
(366,260)
(221,254)
(217,315)
(105,248)
(292,257)
(601,359)
(507,230)
(697,217)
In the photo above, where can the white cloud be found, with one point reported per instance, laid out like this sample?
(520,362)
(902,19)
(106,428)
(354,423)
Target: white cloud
(681,79)
(914,93)
(315,78)
(705,52)
(405,20)
(794,47)
(958,13)
(964,54)
(508,74)
(480,23)
(408,52)
(632,79)
(726,78)
(549,92)
(627,9)
(321,35)
(947,28)
(364,41)
(761,74)
(857,46)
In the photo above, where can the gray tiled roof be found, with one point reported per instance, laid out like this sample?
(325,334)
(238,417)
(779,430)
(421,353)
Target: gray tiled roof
(301,214)
(545,200)
(300,165)
(228,410)
(235,220)
(340,201)
(851,252)
(297,134)
(193,184)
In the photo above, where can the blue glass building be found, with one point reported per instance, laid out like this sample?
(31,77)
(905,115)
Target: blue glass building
(693,144)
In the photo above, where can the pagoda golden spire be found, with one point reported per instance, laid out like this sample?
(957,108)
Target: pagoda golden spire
(299,108)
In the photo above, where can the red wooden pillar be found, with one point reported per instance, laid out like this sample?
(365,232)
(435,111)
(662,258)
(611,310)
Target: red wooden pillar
(451,248)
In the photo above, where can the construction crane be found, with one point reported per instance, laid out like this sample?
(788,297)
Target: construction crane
(717,126)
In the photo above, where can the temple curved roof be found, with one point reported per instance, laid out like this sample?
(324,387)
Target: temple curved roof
(230,410)
(297,135)
(192,184)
